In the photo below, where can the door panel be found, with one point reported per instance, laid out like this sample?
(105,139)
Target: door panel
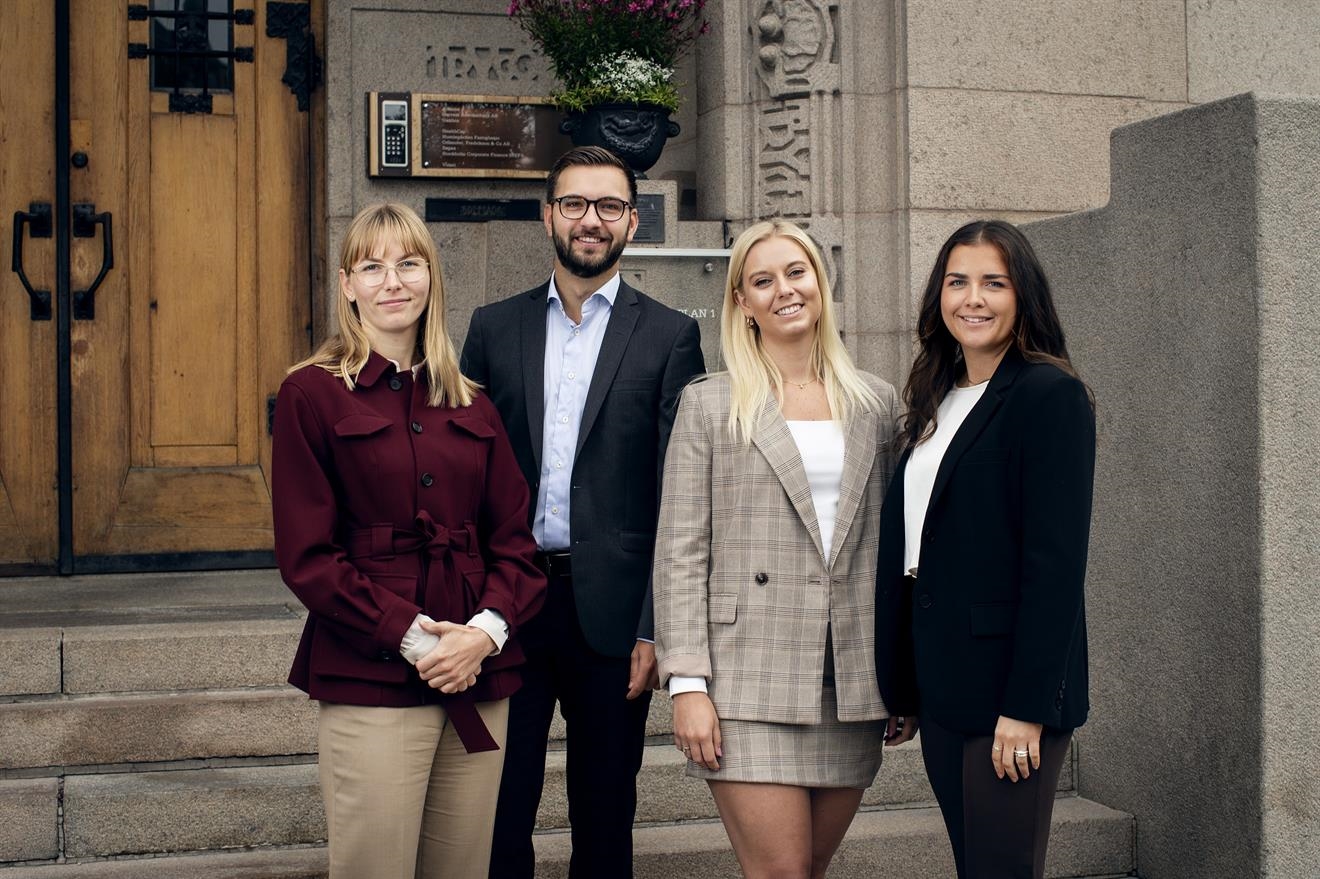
(189,359)
(29,532)
(169,378)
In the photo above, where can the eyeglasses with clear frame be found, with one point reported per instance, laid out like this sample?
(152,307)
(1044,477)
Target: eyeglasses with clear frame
(574,207)
(409,271)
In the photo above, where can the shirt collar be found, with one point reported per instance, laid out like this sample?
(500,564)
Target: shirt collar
(609,290)
(377,365)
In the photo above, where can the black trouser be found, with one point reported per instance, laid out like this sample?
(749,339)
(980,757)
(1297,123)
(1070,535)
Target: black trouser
(606,734)
(998,829)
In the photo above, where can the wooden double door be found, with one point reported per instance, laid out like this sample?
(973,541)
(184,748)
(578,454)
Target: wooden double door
(158,162)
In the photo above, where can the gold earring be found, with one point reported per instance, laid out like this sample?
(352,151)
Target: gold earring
(751,324)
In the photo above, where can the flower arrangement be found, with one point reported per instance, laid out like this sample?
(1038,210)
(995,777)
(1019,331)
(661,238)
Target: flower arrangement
(612,51)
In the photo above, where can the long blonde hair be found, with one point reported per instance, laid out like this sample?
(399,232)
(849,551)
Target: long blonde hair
(752,372)
(346,352)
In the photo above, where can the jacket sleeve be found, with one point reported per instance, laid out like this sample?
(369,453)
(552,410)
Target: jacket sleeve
(514,585)
(684,364)
(1058,467)
(682,546)
(305,512)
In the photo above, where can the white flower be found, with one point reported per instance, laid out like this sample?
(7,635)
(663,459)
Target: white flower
(628,74)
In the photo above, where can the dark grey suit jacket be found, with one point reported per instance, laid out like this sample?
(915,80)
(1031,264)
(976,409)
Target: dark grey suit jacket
(649,353)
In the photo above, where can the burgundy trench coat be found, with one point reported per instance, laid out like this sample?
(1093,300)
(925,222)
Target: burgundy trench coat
(385,507)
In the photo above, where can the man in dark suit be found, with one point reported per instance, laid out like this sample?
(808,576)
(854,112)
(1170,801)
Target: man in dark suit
(586,373)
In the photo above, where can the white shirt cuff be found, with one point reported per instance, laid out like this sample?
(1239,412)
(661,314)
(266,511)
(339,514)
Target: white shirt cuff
(686,684)
(492,623)
(417,642)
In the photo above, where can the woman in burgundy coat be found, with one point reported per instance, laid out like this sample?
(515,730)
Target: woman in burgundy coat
(401,524)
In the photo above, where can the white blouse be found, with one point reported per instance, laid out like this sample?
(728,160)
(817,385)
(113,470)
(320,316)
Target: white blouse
(924,463)
(820,445)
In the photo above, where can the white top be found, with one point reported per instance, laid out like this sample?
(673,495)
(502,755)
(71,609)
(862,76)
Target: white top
(924,463)
(820,445)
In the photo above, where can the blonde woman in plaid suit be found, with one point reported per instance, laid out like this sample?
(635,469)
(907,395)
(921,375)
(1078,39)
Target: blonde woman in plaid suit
(765,564)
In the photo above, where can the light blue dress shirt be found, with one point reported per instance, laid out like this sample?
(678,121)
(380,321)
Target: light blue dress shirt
(571,350)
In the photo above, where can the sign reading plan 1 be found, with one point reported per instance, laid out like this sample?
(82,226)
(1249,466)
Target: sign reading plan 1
(470,136)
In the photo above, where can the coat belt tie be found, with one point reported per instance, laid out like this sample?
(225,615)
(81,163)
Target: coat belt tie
(439,542)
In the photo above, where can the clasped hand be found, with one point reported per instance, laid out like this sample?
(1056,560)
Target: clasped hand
(455,662)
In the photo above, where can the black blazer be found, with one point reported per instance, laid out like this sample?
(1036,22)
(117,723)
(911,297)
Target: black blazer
(649,353)
(995,624)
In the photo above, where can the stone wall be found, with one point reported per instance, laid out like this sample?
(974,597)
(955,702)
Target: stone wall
(1189,304)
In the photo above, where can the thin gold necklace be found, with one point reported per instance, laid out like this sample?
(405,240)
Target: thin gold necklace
(802,386)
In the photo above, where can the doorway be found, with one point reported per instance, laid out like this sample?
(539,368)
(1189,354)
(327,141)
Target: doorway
(158,161)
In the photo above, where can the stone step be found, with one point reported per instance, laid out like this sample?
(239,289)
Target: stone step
(156,727)
(665,793)
(1087,840)
(266,863)
(192,655)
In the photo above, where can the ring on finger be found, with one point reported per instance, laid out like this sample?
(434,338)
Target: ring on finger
(1021,753)
(997,748)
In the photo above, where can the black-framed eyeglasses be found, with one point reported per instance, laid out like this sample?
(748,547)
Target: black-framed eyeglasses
(574,207)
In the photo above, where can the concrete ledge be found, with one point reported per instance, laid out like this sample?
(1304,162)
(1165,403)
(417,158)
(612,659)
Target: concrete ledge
(293,863)
(192,810)
(180,656)
(29,819)
(29,661)
(89,730)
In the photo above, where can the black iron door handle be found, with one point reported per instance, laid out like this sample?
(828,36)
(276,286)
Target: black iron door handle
(85,221)
(37,218)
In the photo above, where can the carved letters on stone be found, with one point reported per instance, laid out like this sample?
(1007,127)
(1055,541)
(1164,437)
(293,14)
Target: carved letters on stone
(784,163)
(484,64)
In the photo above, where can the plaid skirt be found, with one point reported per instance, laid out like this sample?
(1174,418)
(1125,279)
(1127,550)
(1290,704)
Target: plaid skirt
(832,753)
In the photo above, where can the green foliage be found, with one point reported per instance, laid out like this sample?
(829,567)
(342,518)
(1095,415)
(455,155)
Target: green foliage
(586,40)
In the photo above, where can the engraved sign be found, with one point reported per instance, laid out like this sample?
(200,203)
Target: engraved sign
(487,136)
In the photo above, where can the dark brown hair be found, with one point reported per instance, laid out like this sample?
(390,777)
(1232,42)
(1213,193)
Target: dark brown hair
(592,156)
(1037,335)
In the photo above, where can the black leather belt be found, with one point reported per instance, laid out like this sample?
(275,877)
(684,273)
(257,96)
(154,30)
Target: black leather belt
(556,565)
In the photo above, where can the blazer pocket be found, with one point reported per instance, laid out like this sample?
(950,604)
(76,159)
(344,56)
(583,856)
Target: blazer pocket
(992,620)
(360,425)
(722,608)
(984,456)
(637,541)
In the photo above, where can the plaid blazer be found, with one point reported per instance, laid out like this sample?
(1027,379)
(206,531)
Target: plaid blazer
(743,592)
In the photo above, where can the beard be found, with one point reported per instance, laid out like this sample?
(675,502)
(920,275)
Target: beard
(587,267)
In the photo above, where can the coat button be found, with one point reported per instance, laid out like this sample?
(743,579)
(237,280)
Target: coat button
(925,600)
(417,427)
(395,384)
(427,479)
(762,579)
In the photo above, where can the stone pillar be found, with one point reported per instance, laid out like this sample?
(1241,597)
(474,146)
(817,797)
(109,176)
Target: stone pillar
(796,119)
(1190,305)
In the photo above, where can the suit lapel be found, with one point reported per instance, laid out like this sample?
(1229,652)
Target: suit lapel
(976,421)
(775,441)
(533,365)
(623,319)
(858,456)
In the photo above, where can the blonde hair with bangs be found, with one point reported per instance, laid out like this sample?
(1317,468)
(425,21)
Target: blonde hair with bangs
(346,352)
(752,372)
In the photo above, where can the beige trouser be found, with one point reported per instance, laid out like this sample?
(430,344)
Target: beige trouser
(403,799)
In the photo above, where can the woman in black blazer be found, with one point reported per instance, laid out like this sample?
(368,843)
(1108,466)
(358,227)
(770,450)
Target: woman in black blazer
(983,550)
